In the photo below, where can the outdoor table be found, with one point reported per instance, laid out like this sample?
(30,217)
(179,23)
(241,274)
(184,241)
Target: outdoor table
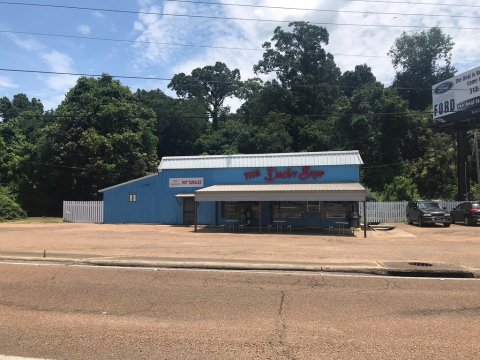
(341,226)
(232,222)
(279,224)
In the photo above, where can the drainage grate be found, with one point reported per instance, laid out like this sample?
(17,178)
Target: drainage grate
(421,264)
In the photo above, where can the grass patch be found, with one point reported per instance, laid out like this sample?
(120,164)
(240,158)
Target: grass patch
(37,220)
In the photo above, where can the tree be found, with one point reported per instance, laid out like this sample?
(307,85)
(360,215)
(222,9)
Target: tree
(434,172)
(100,136)
(421,59)
(19,104)
(302,66)
(179,122)
(376,122)
(9,209)
(210,85)
(401,189)
(231,137)
(353,80)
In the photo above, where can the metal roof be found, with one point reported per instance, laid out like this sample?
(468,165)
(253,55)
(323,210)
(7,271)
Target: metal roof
(284,187)
(283,192)
(261,160)
(126,183)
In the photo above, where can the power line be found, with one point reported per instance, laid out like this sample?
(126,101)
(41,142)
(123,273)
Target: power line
(81,37)
(323,10)
(414,3)
(227,116)
(210,82)
(128,41)
(160,43)
(211,17)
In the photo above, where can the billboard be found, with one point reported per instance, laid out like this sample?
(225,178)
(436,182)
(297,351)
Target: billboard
(457,99)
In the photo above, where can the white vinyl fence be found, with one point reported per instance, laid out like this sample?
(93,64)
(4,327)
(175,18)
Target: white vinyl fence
(83,211)
(384,212)
(394,211)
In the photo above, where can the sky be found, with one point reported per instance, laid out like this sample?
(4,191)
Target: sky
(148,41)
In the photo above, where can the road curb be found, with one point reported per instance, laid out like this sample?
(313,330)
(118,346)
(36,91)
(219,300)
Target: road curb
(373,268)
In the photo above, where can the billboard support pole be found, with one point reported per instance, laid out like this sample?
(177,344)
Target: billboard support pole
(462,158)
(477,162)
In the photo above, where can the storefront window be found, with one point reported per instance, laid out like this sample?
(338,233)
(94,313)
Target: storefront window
(313,206)
(288,209)
(231,210)
(336,210)
(243,211)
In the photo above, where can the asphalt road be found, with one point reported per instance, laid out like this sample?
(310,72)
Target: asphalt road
(67,312)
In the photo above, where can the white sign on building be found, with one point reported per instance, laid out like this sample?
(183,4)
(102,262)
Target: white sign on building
(457,98)
(185,182)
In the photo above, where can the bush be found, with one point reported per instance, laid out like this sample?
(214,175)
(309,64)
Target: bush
(402,188)
(9,209)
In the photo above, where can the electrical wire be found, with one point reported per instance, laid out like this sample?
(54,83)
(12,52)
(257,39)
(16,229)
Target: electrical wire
(164,43)
(415,3)
(80,37)
(160,116)
(325,85)
(323,10)
(211,17)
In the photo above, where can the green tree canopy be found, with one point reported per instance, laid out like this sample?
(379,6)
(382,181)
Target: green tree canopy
(179,123)
(353,80)
(302,66)
(100,136)
(210,85)
(401,188)
(19,104)
(376,122)
(422,59)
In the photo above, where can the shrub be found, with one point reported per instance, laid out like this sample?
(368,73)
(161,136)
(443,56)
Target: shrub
(9,209)
(402,188)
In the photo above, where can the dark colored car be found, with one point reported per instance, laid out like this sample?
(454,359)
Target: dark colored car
(427,212)
(467,212)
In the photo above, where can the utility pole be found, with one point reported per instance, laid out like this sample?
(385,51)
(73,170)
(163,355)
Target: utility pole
(462,167)
(477,161)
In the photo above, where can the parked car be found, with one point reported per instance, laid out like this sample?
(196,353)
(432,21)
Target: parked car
(467,212)
(427,212)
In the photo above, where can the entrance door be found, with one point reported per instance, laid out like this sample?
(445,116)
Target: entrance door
(188,211)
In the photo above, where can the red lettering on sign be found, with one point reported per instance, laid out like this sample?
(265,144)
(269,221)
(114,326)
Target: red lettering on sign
(307,173)
(252,174)
(274,174)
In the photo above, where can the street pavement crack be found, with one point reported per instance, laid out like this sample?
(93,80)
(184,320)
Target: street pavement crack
(281,330)
(54,276)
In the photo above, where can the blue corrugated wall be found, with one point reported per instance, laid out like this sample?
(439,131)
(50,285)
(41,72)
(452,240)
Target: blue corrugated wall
(156,202)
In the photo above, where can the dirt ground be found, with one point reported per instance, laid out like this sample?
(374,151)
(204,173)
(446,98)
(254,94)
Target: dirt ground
(457,244)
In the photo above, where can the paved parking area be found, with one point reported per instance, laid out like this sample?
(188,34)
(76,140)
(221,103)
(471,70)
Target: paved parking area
(457,244)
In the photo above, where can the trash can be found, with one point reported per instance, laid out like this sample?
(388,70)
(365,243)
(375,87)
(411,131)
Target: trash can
(354,219)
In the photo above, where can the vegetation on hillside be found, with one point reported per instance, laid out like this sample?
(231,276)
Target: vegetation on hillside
(103,133)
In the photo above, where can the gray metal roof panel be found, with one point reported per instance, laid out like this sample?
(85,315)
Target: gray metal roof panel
(262,160)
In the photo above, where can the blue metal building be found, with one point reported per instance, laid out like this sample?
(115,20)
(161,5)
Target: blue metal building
(297,189)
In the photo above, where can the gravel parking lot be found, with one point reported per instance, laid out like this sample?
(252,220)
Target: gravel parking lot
(457,244)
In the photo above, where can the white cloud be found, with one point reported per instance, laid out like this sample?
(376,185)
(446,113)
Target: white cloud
(83,29)
(5,82)
(351,45)
(59,62)
(98,14)
(25,43)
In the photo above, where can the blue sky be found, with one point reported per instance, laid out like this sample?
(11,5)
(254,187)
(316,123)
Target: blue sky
(21,51)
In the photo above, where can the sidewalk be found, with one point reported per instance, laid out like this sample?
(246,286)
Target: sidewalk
(169,246)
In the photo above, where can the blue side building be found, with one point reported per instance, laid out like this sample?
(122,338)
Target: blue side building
(315,189)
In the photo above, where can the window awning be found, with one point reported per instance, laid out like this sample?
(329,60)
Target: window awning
(283,192)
